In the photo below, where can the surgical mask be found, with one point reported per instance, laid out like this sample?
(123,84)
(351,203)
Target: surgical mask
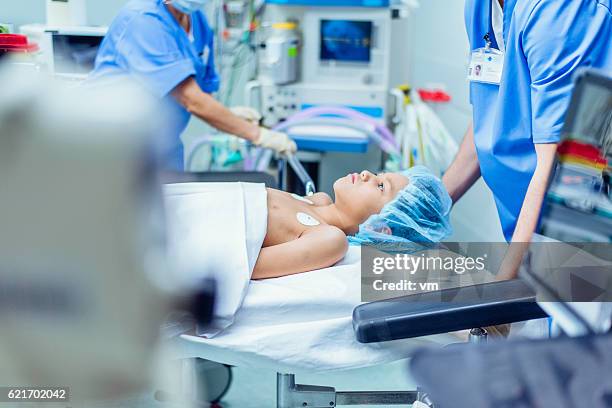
(188,6)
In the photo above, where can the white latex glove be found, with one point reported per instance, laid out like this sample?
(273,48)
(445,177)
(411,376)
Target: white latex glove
(276,141)
(246,113)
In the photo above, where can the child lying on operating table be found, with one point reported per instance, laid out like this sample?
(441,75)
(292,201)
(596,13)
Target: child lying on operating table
(306,234)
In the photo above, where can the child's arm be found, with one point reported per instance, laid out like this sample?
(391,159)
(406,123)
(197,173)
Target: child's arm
(317,248)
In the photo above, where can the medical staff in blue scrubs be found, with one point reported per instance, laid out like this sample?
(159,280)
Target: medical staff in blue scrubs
(524,57)
(167,46)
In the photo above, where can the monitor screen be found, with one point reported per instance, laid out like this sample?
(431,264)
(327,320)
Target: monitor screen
(345,40)
(75,54)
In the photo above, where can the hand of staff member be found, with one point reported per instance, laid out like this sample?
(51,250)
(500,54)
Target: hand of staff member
(167,46)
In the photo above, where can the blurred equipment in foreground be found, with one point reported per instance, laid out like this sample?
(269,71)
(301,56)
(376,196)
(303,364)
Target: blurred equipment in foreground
(83,276)
(579,204)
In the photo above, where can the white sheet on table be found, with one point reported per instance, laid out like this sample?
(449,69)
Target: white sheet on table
(217,230)
(302,322)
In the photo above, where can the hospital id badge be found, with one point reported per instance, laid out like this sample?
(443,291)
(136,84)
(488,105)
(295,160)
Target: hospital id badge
(486,66)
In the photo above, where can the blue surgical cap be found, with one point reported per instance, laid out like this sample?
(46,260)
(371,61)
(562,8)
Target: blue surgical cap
(419,213)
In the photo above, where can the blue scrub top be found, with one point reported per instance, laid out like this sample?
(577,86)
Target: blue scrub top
(546,42)
(147,43)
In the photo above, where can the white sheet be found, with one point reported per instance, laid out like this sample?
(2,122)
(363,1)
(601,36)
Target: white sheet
(302,323)
(216,230)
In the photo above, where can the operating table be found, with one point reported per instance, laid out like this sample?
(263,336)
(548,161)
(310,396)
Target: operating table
(360,334)
(416,316)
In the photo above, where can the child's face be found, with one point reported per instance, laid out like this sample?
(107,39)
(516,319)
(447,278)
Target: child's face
(361,195)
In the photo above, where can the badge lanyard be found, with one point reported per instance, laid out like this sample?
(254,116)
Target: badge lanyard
(486,64)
